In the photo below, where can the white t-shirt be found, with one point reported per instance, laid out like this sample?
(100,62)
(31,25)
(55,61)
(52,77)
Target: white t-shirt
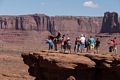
(82,39)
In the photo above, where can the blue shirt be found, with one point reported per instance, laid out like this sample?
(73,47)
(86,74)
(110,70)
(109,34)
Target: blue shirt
(91,41)
(50,42)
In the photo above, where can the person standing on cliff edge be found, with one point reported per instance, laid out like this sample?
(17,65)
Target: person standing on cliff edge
(50,42)
(82,43)
(92,43)
(97,45)
(113,45)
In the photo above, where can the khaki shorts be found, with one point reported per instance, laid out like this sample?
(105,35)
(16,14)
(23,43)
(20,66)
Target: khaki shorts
(92,46)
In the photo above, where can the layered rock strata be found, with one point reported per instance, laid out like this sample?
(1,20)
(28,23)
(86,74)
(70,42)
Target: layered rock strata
(66,24)
(58,66)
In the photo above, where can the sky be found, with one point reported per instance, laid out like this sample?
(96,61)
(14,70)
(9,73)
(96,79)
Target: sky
(59,7)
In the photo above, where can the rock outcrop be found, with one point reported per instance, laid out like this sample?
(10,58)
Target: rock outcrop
(110,23)
(66,24)
(58,66)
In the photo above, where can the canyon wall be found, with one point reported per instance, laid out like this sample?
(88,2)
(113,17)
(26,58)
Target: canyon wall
(66,24)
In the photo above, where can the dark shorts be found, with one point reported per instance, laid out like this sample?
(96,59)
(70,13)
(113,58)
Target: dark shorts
(64,46)
(111,48)
(96,47)
(69,46)
(50,46)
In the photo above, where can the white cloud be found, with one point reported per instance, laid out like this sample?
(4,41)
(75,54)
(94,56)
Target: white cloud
(43,3)
(90,4)
(40,3)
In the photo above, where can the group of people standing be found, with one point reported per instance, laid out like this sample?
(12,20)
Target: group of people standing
(63,40)
(82,43)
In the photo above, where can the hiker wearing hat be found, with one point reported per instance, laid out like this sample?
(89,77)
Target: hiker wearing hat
(69,44)
(82,43)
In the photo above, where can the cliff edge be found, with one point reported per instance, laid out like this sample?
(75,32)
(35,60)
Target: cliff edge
(59,66)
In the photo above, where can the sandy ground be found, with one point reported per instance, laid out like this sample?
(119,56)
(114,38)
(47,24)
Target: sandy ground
(12,67)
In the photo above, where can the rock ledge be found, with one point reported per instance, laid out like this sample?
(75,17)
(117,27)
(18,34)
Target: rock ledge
(58,66)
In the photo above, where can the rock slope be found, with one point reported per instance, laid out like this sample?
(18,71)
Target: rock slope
(58,66)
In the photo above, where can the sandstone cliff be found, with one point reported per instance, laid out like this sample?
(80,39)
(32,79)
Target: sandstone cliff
(110,23)
(66,24)
(58,66)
